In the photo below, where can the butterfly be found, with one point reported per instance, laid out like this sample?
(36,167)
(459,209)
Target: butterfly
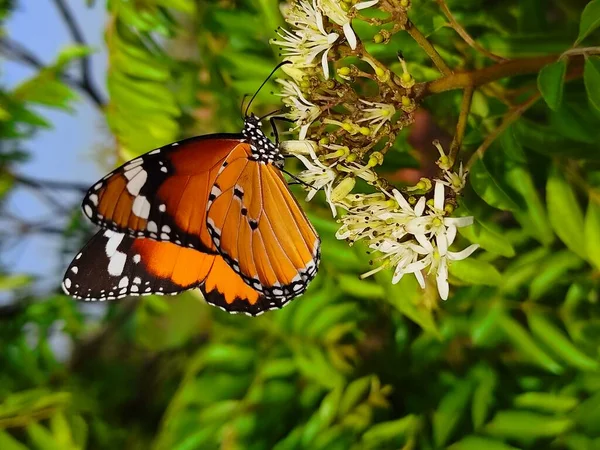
(213,212)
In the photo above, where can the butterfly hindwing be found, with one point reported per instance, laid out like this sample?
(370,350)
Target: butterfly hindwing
(113,265)
(163,194)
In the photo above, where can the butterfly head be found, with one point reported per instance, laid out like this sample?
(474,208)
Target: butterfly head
(263,150)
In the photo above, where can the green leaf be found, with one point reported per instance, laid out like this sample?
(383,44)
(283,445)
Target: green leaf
(548,333)
(551,81)
(490,189)
(7,442)
(587,415)
(11,282)
(592,232)
(524,343)
(449,412)
(565,213)
(546,402)
(483,397)
(591,78)
(590,20)
(45,89)
(483,233)
(480,443)
(70,53)
(524,426)
(473,271)
(392,430)
(551,271)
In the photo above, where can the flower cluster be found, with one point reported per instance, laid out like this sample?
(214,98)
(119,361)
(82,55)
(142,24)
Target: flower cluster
(344,137)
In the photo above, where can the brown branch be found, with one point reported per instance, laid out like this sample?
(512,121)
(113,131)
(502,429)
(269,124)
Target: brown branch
(429,49)
(19,53)
(463,33)
(476,78)
(461,125)
(86,66)
(509,118)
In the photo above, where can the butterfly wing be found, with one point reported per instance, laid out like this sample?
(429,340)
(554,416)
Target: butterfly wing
(113,265)
(163,194)
(261,231)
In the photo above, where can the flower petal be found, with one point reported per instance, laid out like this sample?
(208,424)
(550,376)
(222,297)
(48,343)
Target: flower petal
(325,65)
(401,200)
(420,278)
(451,234)
(457,256)
(350,36)
(438,196)
(420,206)
(442,241)
(442,279)
(459,221)
(367,4)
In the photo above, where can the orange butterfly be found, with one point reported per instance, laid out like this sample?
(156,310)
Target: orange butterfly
(225,217)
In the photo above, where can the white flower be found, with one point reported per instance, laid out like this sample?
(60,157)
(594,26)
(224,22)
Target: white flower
(410,239)
(333,10)
(318,176)
(308,40)
(379,114)
(455,181)
(298,147)
(302,112)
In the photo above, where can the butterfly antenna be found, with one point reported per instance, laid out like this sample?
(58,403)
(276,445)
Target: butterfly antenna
(298,179)
(242,105)
(282,63)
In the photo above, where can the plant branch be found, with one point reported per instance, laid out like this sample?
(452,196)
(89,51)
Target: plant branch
(476,78)
(461,125)
(17,52)
(463,33)
(86,71)
(50,184)
(429,49)
(509,118)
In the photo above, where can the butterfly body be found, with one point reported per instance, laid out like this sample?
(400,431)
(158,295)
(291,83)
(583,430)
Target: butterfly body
(211,212)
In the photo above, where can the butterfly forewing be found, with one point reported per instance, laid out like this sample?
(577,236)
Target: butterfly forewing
(163,194)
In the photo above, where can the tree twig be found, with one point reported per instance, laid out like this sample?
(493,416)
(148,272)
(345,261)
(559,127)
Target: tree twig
(50,184)
(463,33)
(429,49)
(461,125)
(86,72)
(17,52)
(509,118)
(476,78)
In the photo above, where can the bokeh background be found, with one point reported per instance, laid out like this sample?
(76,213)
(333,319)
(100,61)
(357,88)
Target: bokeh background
(511,360)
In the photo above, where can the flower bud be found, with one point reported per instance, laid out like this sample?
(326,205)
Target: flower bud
(378,38)
(342,189)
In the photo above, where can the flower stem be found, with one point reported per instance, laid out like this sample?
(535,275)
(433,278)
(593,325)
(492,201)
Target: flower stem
(429,49)
(461,125)
(509,118)
(463,33)
(486,75)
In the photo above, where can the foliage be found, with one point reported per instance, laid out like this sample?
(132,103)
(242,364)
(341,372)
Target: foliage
(510,360)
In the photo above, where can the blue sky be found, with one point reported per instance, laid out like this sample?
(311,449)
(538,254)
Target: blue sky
(66,152)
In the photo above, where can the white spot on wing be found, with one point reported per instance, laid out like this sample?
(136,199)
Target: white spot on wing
(162,208)
(123,282)
(117,264)
(152,227)
(88,210)
(137,182)
(67,283)
(114,239)
(137,258)
(94,199)
(141,207)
